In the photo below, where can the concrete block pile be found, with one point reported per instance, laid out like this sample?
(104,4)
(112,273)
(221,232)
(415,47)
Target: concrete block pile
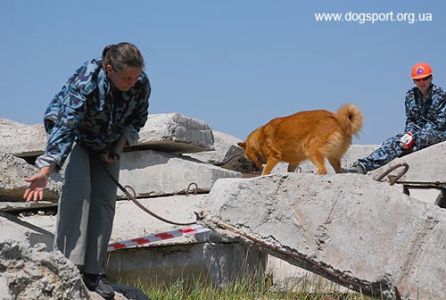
(348,228)
(155,167)
(161,172)
(351,229)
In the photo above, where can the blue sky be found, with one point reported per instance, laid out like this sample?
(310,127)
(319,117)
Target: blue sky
(234,64)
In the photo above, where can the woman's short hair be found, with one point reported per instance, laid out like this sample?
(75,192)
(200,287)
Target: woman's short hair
(121,56)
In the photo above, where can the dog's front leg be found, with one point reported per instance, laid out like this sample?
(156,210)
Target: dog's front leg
(270,164)
(336,164)
(292,167)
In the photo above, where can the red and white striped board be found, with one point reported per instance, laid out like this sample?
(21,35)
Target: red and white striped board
(155,237)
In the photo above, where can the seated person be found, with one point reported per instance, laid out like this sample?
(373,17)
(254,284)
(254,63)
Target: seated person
(425,123)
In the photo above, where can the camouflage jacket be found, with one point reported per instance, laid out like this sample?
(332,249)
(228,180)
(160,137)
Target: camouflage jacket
(89,111)
(428,115)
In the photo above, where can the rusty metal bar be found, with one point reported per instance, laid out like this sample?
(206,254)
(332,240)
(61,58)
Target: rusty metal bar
(394,178)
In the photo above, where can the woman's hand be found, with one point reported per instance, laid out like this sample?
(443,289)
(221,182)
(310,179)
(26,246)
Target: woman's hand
(109,157)
(112,156)
(38,183)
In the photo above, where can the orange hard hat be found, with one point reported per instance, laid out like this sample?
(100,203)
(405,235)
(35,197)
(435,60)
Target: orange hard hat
(421,70)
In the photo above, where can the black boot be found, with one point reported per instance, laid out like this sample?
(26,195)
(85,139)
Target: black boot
(356,168)
(97,283)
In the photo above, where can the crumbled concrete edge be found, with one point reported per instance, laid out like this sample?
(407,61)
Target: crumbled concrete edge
(33,273)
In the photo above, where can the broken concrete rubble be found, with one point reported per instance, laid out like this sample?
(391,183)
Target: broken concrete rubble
(192,257)
(132,222)
(33,273)
(154,173)
(167,132)
(426,173)
(159,173)
(426,165)
(171,132)
(227,154)
(28,272)
(383,242)
(173,173)
(147,223)
(178,208)
(175,132)
(21,230)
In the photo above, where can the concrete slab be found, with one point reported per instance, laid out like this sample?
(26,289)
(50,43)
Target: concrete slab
(45,222)
(287,277)
(25,206)
(227,154)
(217,263)
(423,276)
(335,227)
(16,229)
(431,196)
(175,132)
(13,172)
(171,132)
(132,222)
(22,140)
(160,173)
(427,164)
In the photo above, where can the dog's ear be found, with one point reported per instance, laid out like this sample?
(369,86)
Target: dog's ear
(242,144)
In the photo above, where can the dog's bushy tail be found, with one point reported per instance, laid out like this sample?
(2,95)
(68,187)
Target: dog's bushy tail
(350,118)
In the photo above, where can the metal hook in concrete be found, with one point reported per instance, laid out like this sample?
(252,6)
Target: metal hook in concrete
(189,186)
(394,178)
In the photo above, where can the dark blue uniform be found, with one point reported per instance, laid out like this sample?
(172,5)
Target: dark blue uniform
(92,113)
(425,119)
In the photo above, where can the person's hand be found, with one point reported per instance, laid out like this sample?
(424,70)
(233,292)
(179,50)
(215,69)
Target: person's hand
(109,157)
(38,183)
(407,141)
(112,156)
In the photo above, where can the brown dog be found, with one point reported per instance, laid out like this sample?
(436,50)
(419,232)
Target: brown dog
(314,135)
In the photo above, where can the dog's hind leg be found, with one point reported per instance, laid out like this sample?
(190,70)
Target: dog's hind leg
(336,164)
(270,164)
(292,167)
(318,160)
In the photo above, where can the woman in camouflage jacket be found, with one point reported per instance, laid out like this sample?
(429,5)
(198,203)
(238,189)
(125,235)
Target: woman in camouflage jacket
(98,111)
(425,123)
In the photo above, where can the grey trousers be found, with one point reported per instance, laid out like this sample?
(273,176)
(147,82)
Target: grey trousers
(391,148)
(86,210)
